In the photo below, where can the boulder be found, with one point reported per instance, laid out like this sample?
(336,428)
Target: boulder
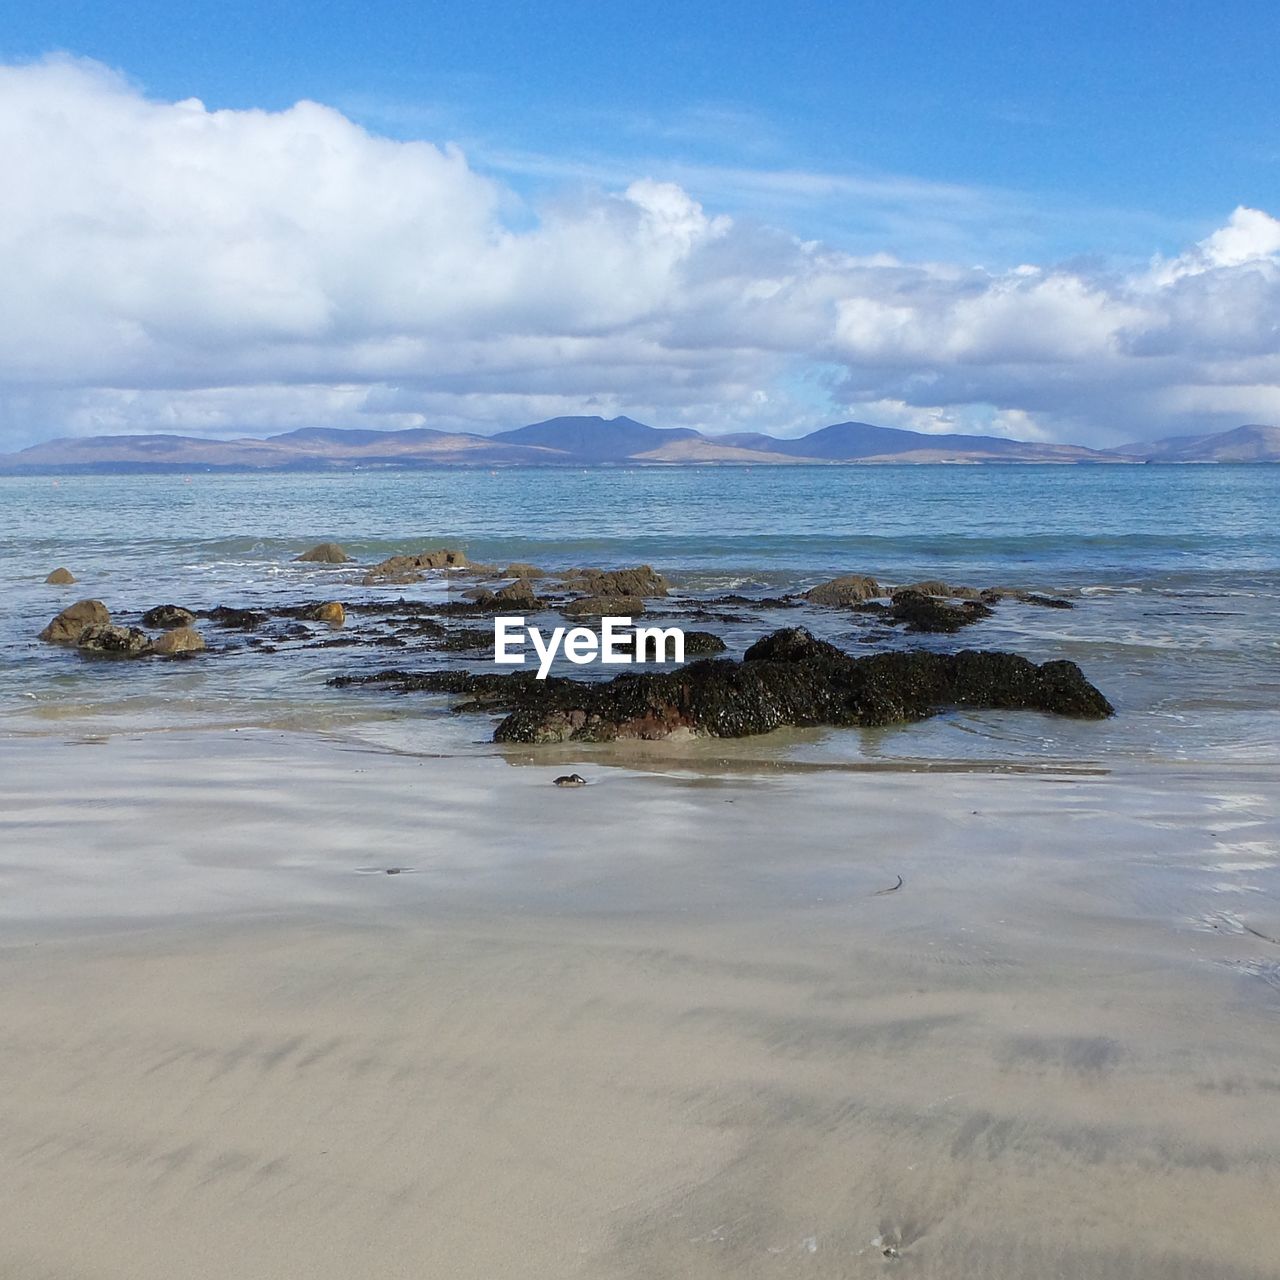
(177,640)
(61,578)
(67,626)
(331,612)
(609,606)
(922,612)
(788,678)
(853,588)
(518,592)
(325,553)
(400,569)
(103,637)
(521,570)
(165,617)
(643,582)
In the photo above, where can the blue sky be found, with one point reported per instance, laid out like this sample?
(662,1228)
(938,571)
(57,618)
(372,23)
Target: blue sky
(1083,139)
(1119,128)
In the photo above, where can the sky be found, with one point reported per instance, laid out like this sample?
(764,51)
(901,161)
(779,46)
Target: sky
(1055,221)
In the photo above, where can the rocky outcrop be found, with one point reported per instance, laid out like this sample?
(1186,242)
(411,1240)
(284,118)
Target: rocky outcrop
(921,612)
(643,582)
(165,617)
(325,553)
(61,577)
(67,626)
(853,588)
(994,595)
(402,569)
(606,606)
(788,678)
(103,637)
(522,570)
(331,612)
(176,641)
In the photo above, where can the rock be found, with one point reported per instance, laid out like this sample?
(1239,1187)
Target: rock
(935,587)
(521,570)
(67,626)
(238,619)
(397,569)
(465,638)
(518,592)
(928,613)
(569,780)
(994,595)
(643,582)
(853,588)
(604,606)
(699,644)
(103,637)
(165,617)
(177,640)
(331,612)
(61,578)
(930,587)
(325,553)
(788,678)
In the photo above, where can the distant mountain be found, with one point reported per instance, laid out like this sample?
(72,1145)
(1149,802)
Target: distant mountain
(595,439)
(1251,443)
(586,441)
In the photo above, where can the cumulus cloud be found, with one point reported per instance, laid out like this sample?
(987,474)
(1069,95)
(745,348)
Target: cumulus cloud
(170,267)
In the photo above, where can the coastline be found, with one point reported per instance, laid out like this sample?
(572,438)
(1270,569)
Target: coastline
(622,1031)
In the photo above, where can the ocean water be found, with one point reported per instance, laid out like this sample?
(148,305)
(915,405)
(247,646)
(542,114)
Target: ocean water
(1174,573)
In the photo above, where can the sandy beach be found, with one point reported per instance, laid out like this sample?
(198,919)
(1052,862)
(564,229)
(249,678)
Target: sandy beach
(621,1031)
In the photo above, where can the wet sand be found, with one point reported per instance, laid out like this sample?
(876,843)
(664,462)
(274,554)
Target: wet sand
(665,1025)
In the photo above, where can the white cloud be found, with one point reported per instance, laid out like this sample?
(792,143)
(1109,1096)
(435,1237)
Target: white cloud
(169,267)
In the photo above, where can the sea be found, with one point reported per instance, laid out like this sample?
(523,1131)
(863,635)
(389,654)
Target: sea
(1173,572)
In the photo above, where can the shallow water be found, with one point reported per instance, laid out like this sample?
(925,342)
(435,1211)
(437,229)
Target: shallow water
(1175,572)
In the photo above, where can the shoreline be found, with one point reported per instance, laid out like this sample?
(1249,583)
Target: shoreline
(622,1032)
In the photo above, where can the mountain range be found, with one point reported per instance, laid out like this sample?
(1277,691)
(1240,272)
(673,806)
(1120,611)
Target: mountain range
(593,441)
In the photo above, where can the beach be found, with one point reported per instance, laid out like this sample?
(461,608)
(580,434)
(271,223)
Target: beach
(667,1024)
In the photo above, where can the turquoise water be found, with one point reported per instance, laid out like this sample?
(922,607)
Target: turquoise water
(1175,572)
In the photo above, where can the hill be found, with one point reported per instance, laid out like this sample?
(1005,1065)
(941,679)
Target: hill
(594,441)
(1250,443)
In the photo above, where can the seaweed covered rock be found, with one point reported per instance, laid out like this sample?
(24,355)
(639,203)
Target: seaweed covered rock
(921,612)
(235,619)
(103,637)
(166,617)
(325,553)
(67,626)
(788,678)
(852,588)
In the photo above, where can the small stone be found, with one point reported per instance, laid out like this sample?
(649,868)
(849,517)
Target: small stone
(61,578)
(331,612)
